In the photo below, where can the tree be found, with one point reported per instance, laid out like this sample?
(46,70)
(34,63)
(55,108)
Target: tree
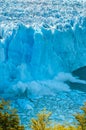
(9,120)
(42,122)
(81,118)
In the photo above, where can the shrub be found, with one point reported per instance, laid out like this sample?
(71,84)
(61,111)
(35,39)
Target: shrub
(42,122)
(9,119)
(81,118)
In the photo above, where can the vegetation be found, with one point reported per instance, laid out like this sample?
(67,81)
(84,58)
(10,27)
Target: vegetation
(9,119)
(43,122)
(81,118)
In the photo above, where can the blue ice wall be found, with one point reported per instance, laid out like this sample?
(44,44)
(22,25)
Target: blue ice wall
(29,53)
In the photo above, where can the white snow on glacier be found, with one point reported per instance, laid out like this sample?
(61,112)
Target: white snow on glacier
(44,12)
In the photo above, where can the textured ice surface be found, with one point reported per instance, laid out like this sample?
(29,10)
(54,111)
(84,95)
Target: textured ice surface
(49,12)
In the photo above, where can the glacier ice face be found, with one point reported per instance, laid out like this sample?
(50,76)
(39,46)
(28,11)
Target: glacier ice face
(29,55)
(41,55)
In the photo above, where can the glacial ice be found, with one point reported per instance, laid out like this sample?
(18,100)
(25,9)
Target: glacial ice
(30,59)
(41,44)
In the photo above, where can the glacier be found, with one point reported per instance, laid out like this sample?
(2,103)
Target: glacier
(32,55)
(42,45)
